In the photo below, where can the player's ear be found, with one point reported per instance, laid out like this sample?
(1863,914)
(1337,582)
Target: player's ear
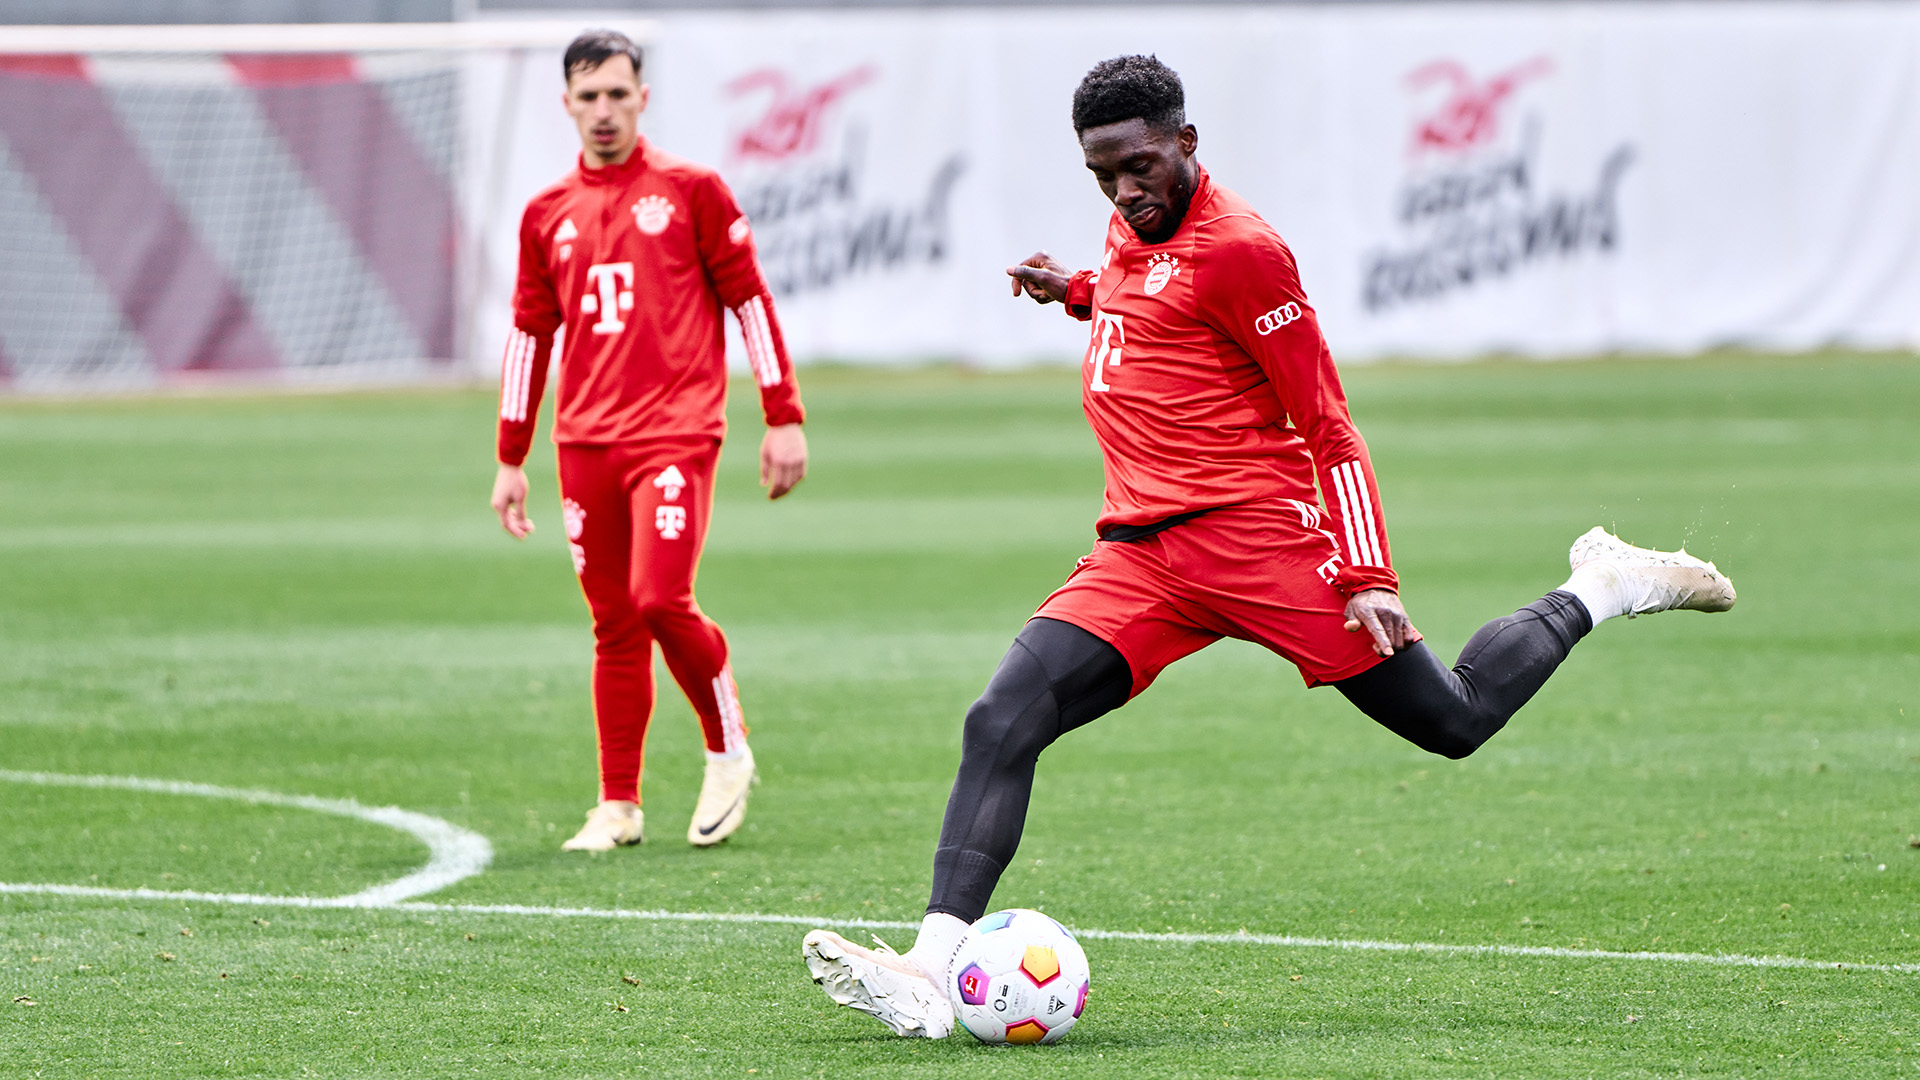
(1189,139)
(646,91)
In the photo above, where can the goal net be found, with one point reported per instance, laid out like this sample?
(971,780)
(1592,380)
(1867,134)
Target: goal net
(189,203)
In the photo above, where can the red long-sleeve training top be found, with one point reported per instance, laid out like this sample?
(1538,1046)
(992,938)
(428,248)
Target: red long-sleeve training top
(632,264)
(1208,383)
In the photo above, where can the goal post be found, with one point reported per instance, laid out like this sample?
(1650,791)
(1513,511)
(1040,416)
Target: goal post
(182,204)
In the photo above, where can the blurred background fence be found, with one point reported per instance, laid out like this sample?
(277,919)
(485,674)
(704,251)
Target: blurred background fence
(1549,179)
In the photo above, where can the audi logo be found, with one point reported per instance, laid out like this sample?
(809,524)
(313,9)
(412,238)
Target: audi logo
(1277,318)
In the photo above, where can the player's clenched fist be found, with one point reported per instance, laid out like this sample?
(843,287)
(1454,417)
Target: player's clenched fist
(1041,277)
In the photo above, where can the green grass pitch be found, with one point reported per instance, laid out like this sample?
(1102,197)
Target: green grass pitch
(307,594)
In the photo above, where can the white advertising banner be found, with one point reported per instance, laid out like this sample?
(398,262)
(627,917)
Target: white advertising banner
(1455,179)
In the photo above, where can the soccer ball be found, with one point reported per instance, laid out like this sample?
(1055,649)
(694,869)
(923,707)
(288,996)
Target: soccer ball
(1018,978)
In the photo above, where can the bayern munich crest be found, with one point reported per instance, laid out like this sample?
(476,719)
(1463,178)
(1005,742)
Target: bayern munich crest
(652,213)
(1160,270)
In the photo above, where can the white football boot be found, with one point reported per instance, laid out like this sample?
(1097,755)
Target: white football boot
(614,823)
(1649,580)
(723,799)
(879,982)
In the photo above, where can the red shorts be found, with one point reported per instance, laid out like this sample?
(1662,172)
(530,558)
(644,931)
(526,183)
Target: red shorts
(1261,572)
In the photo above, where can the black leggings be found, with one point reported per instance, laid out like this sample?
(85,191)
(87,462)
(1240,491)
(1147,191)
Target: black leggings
(1057,677)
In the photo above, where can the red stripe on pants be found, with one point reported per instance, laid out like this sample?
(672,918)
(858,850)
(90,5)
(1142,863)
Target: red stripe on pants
(636,536)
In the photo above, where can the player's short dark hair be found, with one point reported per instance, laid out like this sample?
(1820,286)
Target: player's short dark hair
(596,47)
(1130,87)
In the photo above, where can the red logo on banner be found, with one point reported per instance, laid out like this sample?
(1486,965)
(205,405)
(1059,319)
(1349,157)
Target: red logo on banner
(1470,114)
(794,117)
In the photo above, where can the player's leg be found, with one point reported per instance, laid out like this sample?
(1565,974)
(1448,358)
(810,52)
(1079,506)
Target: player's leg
(1097,641)
(1055,678)
(594,504)
(1454,711)
(670,490)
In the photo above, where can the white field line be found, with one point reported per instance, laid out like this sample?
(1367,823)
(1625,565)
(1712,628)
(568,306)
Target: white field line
(1285,941)
(454,853)
(468,853)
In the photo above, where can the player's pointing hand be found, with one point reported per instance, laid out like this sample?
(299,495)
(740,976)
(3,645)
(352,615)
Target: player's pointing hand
(1041,277)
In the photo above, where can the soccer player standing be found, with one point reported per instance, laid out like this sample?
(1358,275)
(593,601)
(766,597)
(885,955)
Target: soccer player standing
(630,260)
(1240,502)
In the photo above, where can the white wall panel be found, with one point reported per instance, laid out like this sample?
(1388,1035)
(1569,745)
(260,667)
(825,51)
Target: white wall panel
(1659,176)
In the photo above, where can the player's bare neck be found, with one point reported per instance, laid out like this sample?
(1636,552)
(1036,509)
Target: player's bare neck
(594,159)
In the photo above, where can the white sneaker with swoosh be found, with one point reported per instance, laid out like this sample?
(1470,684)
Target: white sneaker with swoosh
(723,799)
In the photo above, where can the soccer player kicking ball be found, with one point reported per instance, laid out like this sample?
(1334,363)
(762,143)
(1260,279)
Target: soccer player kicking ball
(634,254)
(1219,415)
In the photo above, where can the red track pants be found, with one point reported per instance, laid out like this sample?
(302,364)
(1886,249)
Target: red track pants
(636,516)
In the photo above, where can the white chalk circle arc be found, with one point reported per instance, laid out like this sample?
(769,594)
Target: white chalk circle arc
(454,853)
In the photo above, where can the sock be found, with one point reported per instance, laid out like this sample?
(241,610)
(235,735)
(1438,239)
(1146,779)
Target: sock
(940,938)
(734,754)
(1601,589)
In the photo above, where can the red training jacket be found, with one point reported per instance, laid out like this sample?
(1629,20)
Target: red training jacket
(1208,383)
(636,261)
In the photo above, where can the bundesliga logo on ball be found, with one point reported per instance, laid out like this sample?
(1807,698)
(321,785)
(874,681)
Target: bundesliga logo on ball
(1019,978)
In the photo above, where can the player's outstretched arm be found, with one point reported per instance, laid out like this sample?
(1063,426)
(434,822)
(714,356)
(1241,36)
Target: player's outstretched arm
(783,459)
(510,500)
(1379,612)
(1040,276)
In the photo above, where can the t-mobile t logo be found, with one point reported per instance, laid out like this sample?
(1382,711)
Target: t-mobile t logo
(610,292)
(1109,333)
(671,521)
(1330,570)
